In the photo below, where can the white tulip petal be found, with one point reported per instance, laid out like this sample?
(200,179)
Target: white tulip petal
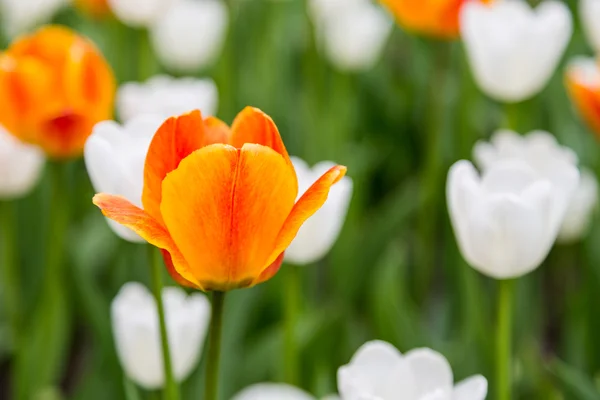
(272,391)
(589,11)
(579,213)
(433,374)
(19,16)
(585,70)
(139,13)
(190,35)
(472,388)
(166,96)
(21,165)
(512,49)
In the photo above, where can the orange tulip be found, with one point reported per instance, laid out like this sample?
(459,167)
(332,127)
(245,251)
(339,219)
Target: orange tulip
(583,84)
(220,201)
(437,18)
(54,87)
(95,8)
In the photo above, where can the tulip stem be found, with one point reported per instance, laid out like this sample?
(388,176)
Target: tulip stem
(214,347)
(292,294)
(503,339)
(10,274)
(171,388)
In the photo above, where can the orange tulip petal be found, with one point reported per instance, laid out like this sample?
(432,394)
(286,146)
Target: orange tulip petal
(120,210)
(270,271)
(587,100)
(224,208)
(307,205)
(173,271)
(216,131)
(177,138)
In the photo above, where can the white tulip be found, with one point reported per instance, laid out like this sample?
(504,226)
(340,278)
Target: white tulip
(589,11)
(318,234)
(540,150)
(579,213)
(137,332)
(115,156)
(19,16)
(191,34)
(139,13)
(272,391)
(506,220)
(513,50)
(320,9)
(20,166)
(585,71)
(354,38)
(166,96)
(379,371)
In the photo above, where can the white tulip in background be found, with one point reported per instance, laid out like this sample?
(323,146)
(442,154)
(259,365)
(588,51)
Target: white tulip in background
(139,13)
(19,16)
(190,35)
(115,156)
(541,151)
(137,332)
(272,391)
(585,70)
(589,11)
(579,213)
(21,165)
(318,234)
(379,371)
(167,96)
(513,49)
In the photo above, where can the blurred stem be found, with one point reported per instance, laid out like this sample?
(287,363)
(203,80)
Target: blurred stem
(511,116)
(503,339)
(292,299)
(171,389)
(214,347)
(10,273)
(145,56)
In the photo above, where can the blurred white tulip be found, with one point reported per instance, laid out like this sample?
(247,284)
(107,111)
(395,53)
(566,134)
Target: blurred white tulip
(379,371)
(318,10)
(506,220)
(190,34)
(513,50)
(115,156)
(589,11)
(354,38)
(20,166)
(167,96)
(139,13)
(318,234)
(541,151)
(579,213)
(272,391)
(19,16)
(137,332)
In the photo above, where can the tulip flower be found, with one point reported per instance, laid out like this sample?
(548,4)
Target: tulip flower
(137,335)
(272,391)
(19,16)
(436,18)
(589,11)
(95,8)
(318,234)
(139,13)
(379,371)
(513,50)
(114,157)
(220,201)
(354,38)
(54,87)
(190,34)
(583,84)
(20,166)
(507,220)
(579,213)
(167,96)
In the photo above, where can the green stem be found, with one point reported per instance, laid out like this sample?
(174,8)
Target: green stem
(511,116)
(503,339)
(10,273)
(214,348)
(292,299)
(171,388)
(146,62)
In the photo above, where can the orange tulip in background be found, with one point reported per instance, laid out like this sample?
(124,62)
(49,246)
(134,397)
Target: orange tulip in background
(95,8)
(583,85)
(54,87)
(437,18)
(220,201)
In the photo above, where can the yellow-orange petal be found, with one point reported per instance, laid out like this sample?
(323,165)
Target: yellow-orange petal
(168,259)
(307,205)
(216,131)
(120,210)
(224,208)
(176,139)
(270,271)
